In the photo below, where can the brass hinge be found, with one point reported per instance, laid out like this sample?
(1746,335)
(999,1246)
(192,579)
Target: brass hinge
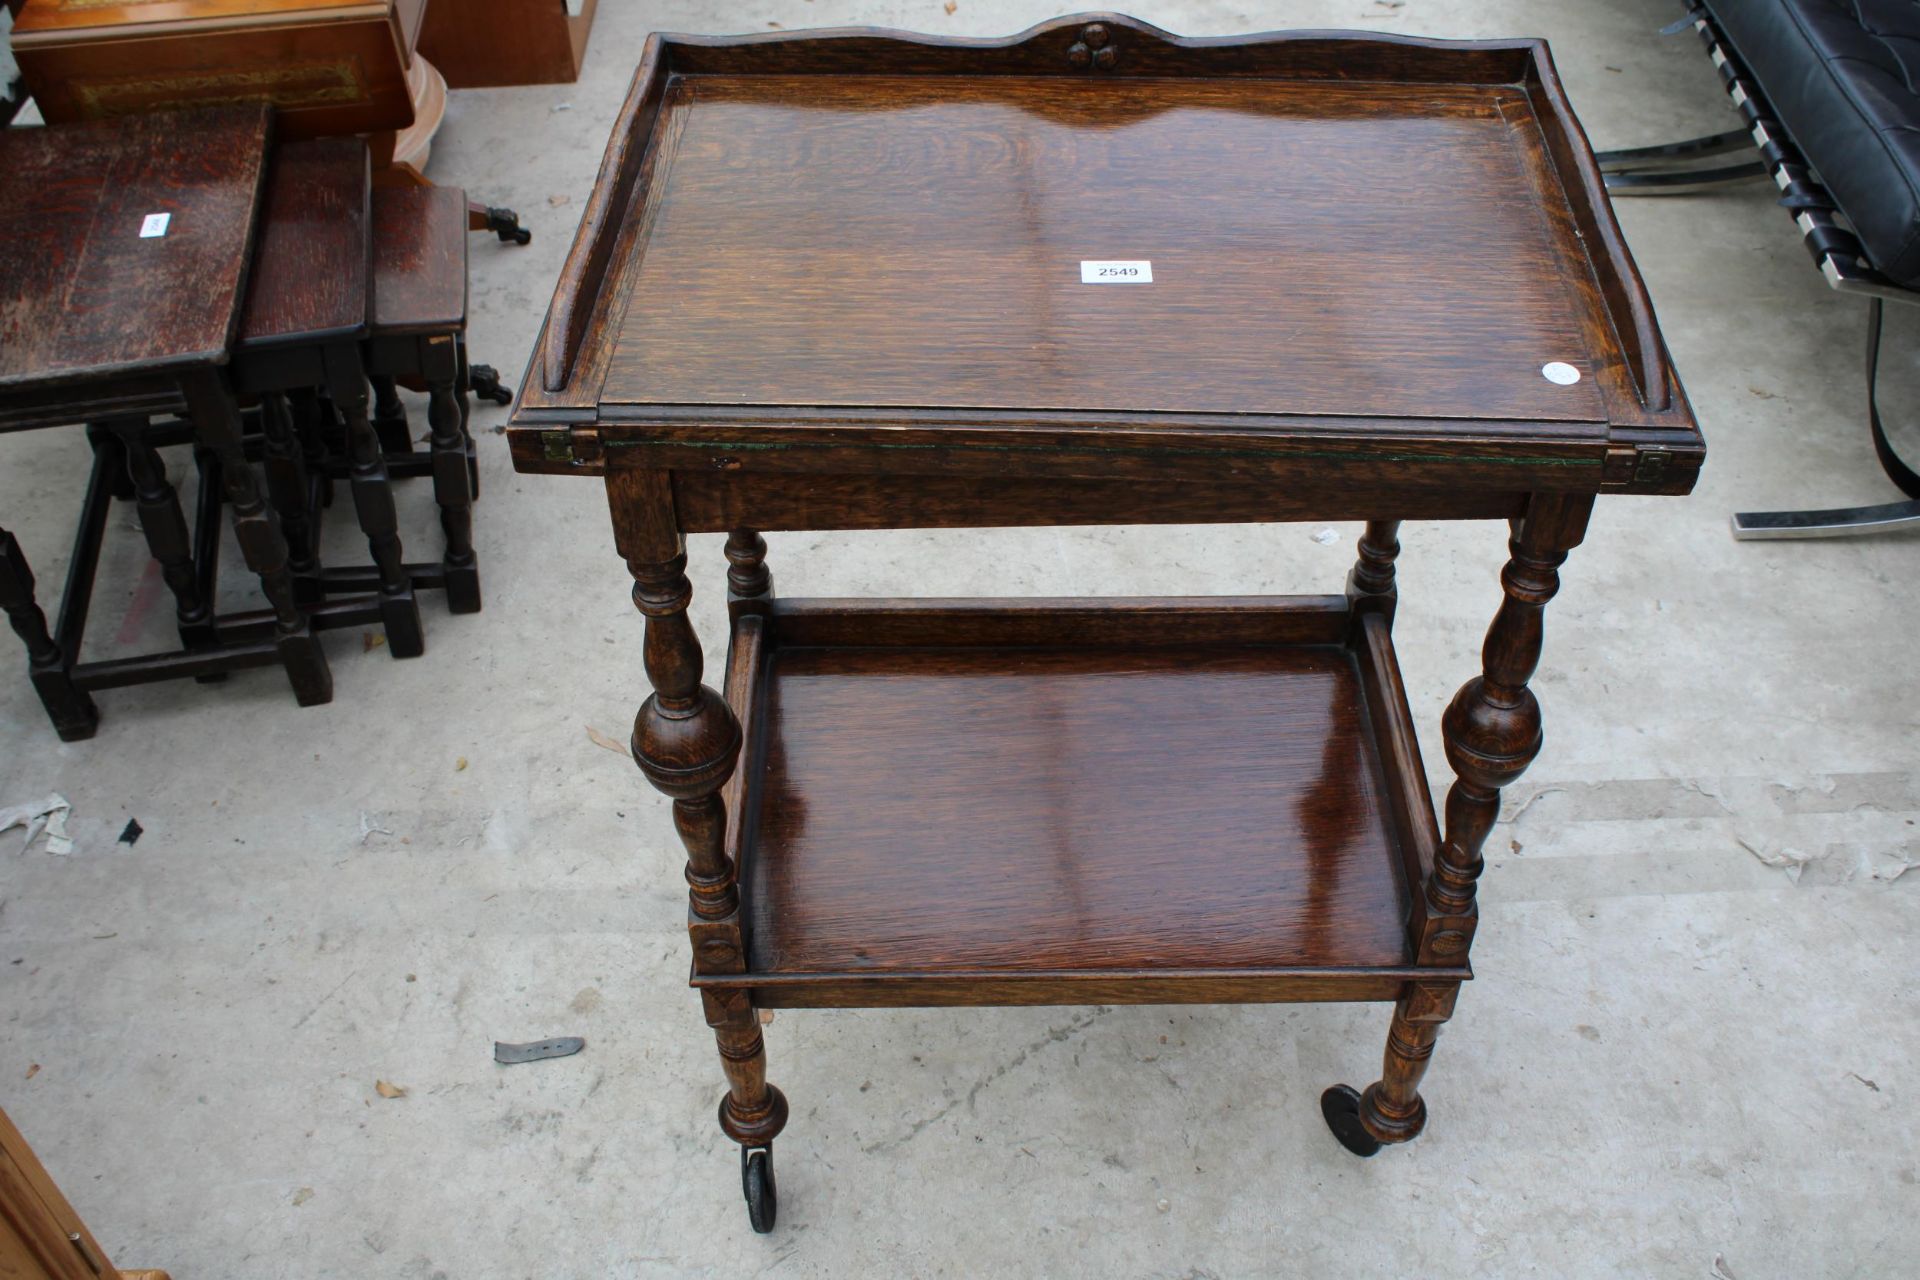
(576,446)
(1628,466)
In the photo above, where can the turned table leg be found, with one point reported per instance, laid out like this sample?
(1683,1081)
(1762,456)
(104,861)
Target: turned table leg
(390,416)
(687,742)
(68,706)
(452,485)
(1370,585)
(216,421)
(463,392)
(749,583)
(290,489)
(165,527)
(1492,733)
(373,503)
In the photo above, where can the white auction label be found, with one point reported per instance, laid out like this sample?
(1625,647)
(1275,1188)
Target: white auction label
(1122,271)
(1559,371)
(154,224)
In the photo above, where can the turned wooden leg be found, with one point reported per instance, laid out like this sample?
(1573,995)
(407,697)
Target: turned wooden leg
(216,420)
(165,527)
(1492,733)
(687,742)
(310,430)
(290,490)
(752,1112)
(1370,584)
(373,504)
(463,393)
(1492,728)
(390,416)
(68,706)
(120,483)
(450,479)
(749,583)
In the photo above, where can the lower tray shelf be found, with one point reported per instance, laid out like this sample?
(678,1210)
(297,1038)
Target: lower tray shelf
(1041,801)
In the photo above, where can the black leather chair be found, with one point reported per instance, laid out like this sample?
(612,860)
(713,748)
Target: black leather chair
(1830,93)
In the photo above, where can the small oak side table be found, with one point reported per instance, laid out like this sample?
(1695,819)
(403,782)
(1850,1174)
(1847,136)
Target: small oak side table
(122,281)
(1091,274)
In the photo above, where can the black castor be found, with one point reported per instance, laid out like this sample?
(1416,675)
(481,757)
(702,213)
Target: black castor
(505,223)
(1341,1107)
(485,382)
(756,1179)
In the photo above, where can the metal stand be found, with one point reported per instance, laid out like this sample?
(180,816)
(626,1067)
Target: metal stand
(1834,522)
(1840,522)
(1672,168)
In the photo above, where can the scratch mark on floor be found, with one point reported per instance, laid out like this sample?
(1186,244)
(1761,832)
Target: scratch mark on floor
(1056,1035)
(338,987)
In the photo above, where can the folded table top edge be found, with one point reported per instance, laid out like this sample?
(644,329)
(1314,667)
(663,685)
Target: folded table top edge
(1645,405)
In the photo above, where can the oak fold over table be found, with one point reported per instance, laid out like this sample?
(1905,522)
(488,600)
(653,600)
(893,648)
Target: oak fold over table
(834,280)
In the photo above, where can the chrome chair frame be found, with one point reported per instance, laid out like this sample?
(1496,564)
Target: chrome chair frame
(1674,169)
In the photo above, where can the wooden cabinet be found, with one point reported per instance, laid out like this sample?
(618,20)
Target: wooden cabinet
(41,1237)
(481,43)
(328,66)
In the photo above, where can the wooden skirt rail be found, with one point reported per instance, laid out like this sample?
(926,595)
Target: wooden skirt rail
(714,502)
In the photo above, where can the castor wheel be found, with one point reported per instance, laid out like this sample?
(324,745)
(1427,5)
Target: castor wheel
(484,380)
(505,223)
(756,1179)
(1341,1107)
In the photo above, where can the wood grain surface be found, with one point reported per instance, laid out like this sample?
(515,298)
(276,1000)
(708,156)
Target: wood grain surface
(713,502)
(419,259)
(41,1237)
(329,67)
(482,43)
(1316,249)
(69,15)
(311,267)
(858,251)
(82,293)
(1045,809)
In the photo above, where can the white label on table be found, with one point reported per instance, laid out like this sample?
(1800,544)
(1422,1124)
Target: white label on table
(1560,372)
(155,224)
(1118,271)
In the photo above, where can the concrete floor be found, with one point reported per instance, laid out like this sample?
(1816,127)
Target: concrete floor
(1685,1054)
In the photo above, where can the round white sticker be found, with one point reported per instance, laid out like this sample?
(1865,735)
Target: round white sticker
(1560,372)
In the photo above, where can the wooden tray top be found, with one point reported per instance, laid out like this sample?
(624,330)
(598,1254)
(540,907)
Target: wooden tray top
(796,237)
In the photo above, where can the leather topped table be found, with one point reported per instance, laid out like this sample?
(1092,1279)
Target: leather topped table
(1093,273)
